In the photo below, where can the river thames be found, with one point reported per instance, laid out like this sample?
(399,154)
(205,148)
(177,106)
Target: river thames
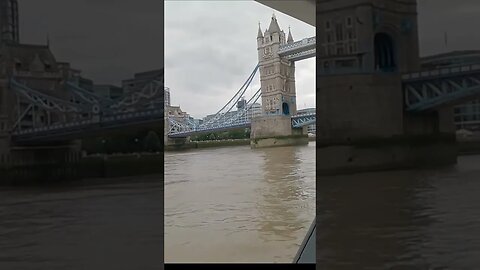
(235,204)
(94,224)
(411,219)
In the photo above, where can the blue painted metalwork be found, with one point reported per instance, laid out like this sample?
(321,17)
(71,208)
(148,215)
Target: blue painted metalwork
(302,120)
(92,111)
(429,90)
(298,50)
(62,130)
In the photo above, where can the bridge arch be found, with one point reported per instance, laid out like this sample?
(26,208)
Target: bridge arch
(385,52)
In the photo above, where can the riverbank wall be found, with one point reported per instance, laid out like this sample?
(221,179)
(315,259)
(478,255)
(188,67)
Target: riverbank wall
(98,166)
(207,144)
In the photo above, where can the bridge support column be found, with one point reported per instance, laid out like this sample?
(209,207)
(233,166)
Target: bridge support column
(176,143)
(269,131)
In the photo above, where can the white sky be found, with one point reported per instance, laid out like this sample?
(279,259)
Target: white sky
(211,49)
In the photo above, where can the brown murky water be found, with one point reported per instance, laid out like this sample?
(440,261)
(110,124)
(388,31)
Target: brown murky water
(235,204)
(83,226)
(426,219)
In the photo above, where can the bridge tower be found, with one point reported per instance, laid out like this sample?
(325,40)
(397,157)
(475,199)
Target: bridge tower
(364,47)
(277,79)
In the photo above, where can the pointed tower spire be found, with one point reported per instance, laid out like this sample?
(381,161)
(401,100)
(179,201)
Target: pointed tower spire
(259,35)
(274,25)
(290,38)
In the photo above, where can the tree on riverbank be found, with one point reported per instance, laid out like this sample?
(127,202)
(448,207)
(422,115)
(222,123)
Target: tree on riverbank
(152,142)
(129,142)
(241,133)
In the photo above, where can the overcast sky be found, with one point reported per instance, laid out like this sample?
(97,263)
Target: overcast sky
(109,40)
(211,49)
(460,19)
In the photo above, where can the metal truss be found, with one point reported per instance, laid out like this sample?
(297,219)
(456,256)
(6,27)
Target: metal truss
(232,119)
(178,127)
(60,130)
(152,90)
(448,86)
(302,120)
(85,107)
(82,95)
(305,44)
(302,55)
(47,102)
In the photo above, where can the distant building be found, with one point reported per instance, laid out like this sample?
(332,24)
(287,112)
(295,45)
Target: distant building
(255,110)
(241,104)
(140,80)
(466,116)
(74,75)
(108,91)
(176,113)
(85,83)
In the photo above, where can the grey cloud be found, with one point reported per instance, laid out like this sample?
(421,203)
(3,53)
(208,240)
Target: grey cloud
(215,44)
(459,19)
(107,40)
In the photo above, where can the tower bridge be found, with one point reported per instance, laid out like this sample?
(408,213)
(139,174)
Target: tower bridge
(278,124)
(370,87)
(45,111)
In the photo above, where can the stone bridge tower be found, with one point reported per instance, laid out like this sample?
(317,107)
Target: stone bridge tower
(363,48)
(277,79)
(277,75)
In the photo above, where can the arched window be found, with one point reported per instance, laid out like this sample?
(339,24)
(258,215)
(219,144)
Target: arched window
(385,58)
(285,108)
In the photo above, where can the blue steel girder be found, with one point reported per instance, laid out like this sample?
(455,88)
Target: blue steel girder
(48,102)
(226,121)
(151,90)
(429,90)
(88,96)
(302,55)
(306,44)
(207,130)
(302,120)
(79,128)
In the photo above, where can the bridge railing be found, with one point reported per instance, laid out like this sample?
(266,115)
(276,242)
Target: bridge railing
(441,72)
(302,55)
(100,120)
(284,49)
(301,120)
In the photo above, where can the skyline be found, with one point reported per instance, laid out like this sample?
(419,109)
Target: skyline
(224,53)
(109,41)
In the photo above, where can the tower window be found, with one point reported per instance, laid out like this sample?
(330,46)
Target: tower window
(384,53)
(349,21)
(327,25)
(339,32)
(350,34)
(329,37)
